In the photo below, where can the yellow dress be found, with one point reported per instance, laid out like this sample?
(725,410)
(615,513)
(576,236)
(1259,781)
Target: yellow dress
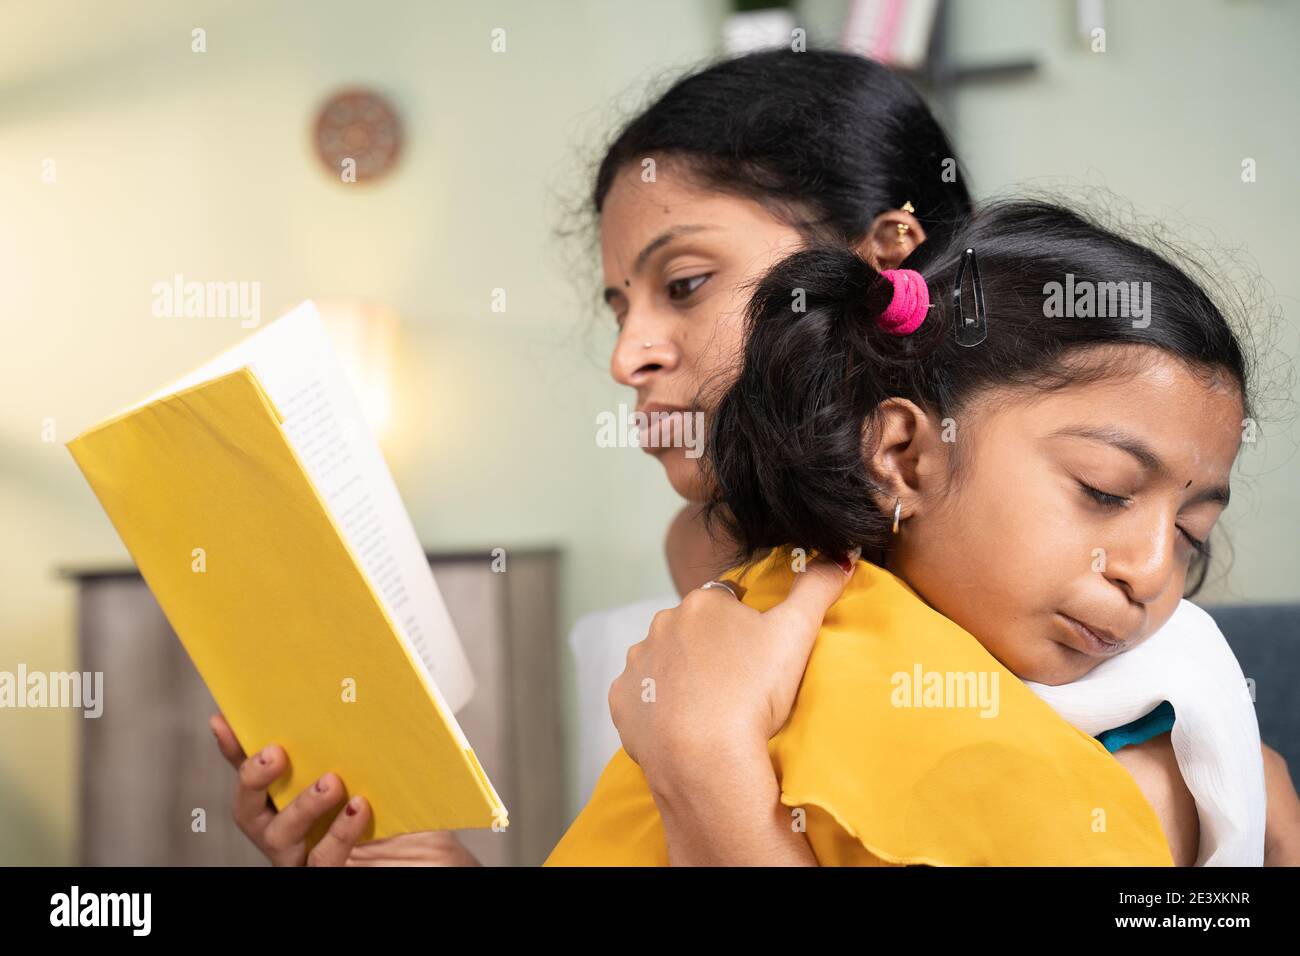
(908,744)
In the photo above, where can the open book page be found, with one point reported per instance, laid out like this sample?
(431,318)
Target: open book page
(293,359)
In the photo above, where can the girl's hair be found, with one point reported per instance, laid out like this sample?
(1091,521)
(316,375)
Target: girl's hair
(789,441)
(826,140)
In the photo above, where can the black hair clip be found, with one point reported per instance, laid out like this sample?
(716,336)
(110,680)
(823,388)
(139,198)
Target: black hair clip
(970,331)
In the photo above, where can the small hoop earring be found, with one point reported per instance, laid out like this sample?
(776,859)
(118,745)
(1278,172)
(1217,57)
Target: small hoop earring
(898,513)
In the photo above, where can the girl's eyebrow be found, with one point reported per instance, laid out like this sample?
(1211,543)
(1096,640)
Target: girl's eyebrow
(1144,455)
(1120,439)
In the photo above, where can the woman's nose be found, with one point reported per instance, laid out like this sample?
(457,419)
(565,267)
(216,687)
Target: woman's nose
(642,350)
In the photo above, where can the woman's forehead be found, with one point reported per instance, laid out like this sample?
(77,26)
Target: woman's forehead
(638,213)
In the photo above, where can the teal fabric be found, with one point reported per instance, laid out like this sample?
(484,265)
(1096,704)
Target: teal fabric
(1138,731)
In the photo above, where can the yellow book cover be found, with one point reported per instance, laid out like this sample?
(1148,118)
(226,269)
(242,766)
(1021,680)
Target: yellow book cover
(263,578)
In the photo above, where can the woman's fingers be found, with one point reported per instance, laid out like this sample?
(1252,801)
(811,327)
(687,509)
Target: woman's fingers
(347,828)
(797,621)
(815,589)
(286,834)
(226,741)
(430,848)
(282,836)
(253,811)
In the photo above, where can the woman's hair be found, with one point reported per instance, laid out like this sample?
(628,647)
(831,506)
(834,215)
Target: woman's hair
(826,140)
(789,442)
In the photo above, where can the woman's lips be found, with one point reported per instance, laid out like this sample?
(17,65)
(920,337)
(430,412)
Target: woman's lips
(662,426)
(1093,642)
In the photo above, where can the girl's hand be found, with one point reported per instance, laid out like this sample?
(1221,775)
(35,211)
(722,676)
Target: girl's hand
(715,679)
(282,836)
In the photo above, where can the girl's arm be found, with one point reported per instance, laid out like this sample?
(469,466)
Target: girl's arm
(1282,821)
(1153,766)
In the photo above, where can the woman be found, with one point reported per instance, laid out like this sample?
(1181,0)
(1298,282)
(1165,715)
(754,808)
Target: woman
(755,157)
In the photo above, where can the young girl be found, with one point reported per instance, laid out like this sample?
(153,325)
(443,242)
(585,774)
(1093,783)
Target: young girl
(1031,494)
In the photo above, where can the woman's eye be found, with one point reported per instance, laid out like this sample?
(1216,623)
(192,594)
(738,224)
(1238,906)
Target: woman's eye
(680,289)
(1103,498)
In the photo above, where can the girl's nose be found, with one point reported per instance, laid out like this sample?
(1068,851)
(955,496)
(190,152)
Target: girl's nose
(1144,566)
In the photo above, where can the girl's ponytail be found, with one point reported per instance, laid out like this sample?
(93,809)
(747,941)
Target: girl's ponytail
(786,442)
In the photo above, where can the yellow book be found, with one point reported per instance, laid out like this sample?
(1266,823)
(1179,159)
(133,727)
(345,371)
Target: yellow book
(259,510)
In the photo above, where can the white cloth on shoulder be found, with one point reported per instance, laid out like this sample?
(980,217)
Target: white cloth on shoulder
(1215,736)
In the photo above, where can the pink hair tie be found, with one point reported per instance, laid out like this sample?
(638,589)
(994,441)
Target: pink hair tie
(907,309)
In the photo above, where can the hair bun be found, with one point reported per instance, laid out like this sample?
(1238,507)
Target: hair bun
(909,305)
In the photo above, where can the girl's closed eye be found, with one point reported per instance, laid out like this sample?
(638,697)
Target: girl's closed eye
(1104,498)
(1199,546)
(1108,500)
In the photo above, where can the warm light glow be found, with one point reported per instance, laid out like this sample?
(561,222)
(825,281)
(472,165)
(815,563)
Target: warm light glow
(365,335)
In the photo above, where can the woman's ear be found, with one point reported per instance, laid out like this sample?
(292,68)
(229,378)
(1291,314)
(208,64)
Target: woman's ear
(886,245)
(903,449)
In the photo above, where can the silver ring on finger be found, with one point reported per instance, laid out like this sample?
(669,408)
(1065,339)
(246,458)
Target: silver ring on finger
(720,584)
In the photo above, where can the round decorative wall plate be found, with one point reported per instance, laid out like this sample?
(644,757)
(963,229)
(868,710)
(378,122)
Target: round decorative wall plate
(362,127)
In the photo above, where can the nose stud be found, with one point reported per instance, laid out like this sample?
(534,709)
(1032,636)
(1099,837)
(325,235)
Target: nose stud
(646,345)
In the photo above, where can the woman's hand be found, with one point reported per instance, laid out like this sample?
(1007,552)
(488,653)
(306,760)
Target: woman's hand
(282,836)
(715,671)
(699,699)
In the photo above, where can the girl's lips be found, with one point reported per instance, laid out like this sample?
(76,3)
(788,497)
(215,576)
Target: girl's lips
(1088,641)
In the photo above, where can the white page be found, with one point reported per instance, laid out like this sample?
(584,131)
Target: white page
(293,359)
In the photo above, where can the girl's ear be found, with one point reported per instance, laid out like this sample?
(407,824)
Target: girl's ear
(885,245)
(903,450)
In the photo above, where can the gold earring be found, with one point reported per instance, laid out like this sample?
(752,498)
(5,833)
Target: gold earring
(898,513)
(904,228)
